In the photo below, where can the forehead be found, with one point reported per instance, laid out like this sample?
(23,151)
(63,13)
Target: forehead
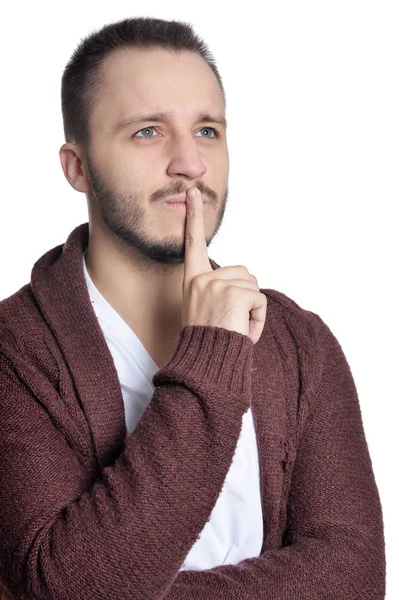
(153,79)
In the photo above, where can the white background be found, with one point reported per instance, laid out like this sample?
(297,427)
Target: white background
(313,104)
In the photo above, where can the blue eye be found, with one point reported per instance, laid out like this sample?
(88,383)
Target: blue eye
(215,134)
(146,130)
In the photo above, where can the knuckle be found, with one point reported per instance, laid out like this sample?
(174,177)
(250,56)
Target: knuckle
(214,284)
(195,283)
(230,293)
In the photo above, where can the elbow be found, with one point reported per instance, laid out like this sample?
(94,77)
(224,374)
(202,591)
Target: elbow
(360,558)
(370,566)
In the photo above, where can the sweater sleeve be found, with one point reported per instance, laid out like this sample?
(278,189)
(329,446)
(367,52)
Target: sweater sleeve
(126,534)
(334,544)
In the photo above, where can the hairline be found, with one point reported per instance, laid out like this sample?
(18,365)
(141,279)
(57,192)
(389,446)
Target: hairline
(92,96)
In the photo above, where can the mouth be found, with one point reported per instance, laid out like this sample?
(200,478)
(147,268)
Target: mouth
(179,202)
(177,199)
(181,206)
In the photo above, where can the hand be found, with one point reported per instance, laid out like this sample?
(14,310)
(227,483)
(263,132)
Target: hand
(228,297)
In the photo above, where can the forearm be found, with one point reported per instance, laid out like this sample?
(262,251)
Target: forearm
(63,536)
(329,565)
(333,543)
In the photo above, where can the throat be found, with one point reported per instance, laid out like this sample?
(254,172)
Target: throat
(160,348)
(160,342)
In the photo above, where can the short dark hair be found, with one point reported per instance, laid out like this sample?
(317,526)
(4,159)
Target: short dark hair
(80,79)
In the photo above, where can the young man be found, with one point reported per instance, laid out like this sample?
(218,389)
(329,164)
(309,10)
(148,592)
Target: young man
(163,435)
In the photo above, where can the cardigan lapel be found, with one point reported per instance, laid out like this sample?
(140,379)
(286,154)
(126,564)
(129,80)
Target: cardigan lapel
(60,289)
(58,284)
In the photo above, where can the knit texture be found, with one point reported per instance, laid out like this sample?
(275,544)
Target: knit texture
(89,512)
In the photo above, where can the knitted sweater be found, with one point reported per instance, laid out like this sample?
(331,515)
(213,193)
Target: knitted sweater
(89,512)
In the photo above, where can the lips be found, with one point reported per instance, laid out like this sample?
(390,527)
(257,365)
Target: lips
(177,199)
(181,199)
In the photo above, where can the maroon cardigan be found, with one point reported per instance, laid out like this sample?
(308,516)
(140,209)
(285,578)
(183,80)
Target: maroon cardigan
(88,512)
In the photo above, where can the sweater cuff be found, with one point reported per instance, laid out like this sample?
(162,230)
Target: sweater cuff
(211,357)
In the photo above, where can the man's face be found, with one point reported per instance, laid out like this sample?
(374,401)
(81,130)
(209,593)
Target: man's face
(134,167)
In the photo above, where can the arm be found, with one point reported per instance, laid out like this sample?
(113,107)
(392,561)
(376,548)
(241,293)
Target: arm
(333,547)
(125,535)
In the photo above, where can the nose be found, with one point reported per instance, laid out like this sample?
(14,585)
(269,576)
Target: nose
(186,160)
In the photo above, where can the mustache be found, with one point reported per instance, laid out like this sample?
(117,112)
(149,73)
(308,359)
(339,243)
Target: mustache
(179,187)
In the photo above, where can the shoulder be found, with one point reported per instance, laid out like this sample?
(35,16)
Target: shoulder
(285,314)
(25,339)
(302,338)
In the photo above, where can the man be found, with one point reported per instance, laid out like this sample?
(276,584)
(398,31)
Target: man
(166,433)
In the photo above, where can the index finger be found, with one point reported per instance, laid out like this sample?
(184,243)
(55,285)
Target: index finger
(196,253)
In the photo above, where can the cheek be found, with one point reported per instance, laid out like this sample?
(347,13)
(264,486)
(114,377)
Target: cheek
(106,162)
(122,172)
(222,172)
(223,160)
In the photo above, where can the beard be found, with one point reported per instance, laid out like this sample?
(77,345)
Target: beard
(124,215)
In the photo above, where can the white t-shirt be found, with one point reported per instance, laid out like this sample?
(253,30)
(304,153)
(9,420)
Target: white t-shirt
(235,529)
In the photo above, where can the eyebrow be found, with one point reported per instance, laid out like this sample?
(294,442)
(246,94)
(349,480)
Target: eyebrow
(161,117)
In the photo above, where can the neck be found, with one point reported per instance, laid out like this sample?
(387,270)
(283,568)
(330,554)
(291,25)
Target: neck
(146,295)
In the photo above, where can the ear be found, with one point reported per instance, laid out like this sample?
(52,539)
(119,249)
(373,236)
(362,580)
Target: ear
(75,171)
